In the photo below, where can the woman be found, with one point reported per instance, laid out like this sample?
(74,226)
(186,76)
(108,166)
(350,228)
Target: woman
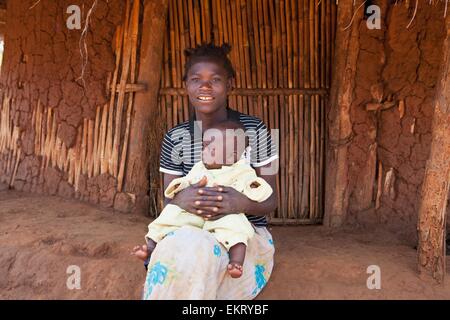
(190,263)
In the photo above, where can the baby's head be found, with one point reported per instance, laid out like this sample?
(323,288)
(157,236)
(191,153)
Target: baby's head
(224,144)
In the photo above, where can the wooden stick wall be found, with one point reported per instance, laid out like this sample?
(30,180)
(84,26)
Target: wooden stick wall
(277,45)
(101,143)
(10,149)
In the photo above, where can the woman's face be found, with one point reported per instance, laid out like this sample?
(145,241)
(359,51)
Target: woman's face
(207,85)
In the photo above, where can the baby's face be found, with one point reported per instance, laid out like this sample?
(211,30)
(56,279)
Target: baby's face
(222,147)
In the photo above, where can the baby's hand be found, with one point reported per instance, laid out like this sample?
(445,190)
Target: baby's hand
(140,252)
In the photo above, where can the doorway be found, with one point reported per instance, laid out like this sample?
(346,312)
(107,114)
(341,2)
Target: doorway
(282,53)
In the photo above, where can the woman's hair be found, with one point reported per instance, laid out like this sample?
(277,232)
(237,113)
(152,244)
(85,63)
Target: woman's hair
(209,51)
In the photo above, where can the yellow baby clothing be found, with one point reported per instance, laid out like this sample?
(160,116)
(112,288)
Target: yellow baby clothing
(228,230)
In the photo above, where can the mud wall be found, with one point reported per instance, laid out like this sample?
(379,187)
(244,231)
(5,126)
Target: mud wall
(391,115)
(42,62)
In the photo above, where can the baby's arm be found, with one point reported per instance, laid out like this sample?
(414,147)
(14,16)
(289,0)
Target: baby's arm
(178,184)
(175,186)
(255,188)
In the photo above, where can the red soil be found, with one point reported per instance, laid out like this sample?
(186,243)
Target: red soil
(40,236)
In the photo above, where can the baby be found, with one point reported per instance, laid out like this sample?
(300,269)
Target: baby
(223,163)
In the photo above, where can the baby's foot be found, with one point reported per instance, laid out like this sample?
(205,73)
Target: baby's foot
(234,269)
(141,252)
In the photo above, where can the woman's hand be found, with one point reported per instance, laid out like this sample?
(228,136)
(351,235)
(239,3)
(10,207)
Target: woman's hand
(210,203)
(219,201)
(195,199)
(186,198)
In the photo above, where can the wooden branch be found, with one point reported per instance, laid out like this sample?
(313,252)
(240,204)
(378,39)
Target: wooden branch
(13,177)
(133,87)
(280,221)
(253,92)
(126,63)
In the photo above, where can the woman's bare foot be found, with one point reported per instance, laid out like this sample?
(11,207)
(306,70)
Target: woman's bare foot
(237,256)
(234,269)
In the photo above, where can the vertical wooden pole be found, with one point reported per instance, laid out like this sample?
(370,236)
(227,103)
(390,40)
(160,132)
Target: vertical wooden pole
(236,49)
(146,114)
(182,12)
(304,196)
(435,187)
(295,122)
(252,54)
(246,46)
(340,127)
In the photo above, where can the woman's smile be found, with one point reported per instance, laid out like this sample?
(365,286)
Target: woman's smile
(205,98)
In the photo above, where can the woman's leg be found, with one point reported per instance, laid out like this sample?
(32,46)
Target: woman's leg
(191,264)
(258,266)
(233,231)
(187,264)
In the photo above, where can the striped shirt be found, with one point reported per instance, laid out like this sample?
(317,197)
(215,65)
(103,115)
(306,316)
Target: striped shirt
(182,147)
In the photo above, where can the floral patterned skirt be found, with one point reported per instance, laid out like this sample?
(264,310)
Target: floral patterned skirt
(190,264)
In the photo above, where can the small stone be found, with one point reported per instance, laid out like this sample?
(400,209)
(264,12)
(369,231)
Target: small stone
(123,202)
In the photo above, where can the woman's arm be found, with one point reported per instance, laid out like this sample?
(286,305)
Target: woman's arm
(167,180)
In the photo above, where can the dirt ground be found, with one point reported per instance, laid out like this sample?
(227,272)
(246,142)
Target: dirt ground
(41,236)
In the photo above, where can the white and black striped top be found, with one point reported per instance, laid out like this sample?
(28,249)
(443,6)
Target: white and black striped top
(182,147)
